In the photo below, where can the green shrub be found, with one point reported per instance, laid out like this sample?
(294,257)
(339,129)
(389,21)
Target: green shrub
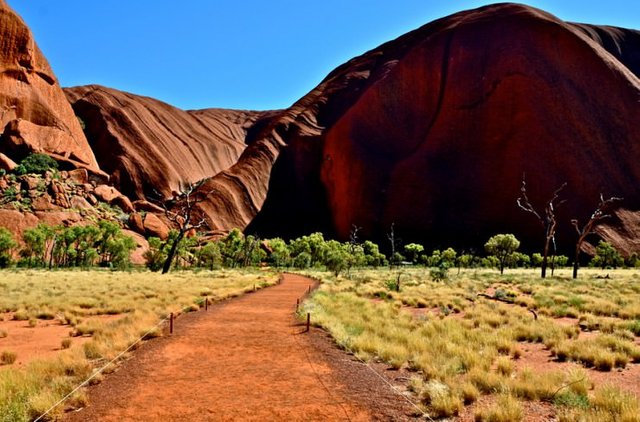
(36,163)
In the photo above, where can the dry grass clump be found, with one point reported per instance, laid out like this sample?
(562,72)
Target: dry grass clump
(604,352)
(504,366)
(608,404)
(7,357)
(506,409)
(78,298)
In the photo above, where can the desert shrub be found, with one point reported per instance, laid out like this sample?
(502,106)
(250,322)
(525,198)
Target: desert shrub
(156,254)
(606,256)
(36,163)
(7,357)
(439,273)
(303,260)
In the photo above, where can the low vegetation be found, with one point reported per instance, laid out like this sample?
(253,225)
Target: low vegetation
(137,301)
(464,337)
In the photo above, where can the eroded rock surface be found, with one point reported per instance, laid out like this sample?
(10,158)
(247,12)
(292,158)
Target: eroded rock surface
(431,132)
(34,113)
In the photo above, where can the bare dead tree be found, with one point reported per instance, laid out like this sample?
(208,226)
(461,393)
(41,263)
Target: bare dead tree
(548,219)
(598,215)
(181,211)
(394,244)
(354,242)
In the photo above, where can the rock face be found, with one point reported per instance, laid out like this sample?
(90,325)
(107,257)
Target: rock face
(431,132)
(34,113)
(147,145)
(449,117)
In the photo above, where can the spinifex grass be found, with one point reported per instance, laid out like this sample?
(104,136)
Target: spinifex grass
(73,297)
(467,341)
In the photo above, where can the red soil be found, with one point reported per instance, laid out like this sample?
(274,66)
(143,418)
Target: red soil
(44,341)
(246,359)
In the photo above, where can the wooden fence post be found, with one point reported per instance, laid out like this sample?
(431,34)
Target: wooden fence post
(171,323)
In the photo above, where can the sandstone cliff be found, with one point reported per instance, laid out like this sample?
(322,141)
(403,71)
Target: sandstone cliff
(34,113)
(431,132)
(445,120)
(145,144)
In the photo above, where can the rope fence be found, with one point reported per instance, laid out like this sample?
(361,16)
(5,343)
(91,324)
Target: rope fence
(384,379)
(170,317)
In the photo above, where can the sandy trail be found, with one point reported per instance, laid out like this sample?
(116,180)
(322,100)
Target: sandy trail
(242,360)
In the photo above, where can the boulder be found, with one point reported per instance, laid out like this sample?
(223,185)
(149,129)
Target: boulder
(6,163)
(79,176)
(153,226)
(106,193)
(17,222)
(136,223)
(141,205)
(30,182)
(54,218)
(137,256)
(92,199)
(43,202)
(124,203)
(59,194)
(79,203)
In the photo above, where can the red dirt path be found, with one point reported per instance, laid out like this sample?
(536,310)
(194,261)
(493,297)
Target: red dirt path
(243,360)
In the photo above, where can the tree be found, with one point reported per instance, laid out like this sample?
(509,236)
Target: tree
(372,255)
(209,256)
(355,250)
(502,246)
(413,251)
(606,256)
(448,257)
(598,215)
(181,210)
(313,245)
(548,220)
(34,245)
(395,257)
(6,246)
(280,255)
(119,249)
(156,255)
(337,257)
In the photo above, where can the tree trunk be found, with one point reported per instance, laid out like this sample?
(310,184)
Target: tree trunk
(174,247)
(545,255)
(575,262)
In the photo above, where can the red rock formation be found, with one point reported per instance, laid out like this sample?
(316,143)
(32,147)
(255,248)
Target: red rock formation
(451,116)
(34,113)
(431,131)
(147,145)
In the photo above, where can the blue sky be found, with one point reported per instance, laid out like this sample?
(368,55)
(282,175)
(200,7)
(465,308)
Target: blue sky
(240,54)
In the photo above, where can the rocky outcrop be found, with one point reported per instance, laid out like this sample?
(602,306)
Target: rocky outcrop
(446,119)
(148,146)
(34,113)
(431,132)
